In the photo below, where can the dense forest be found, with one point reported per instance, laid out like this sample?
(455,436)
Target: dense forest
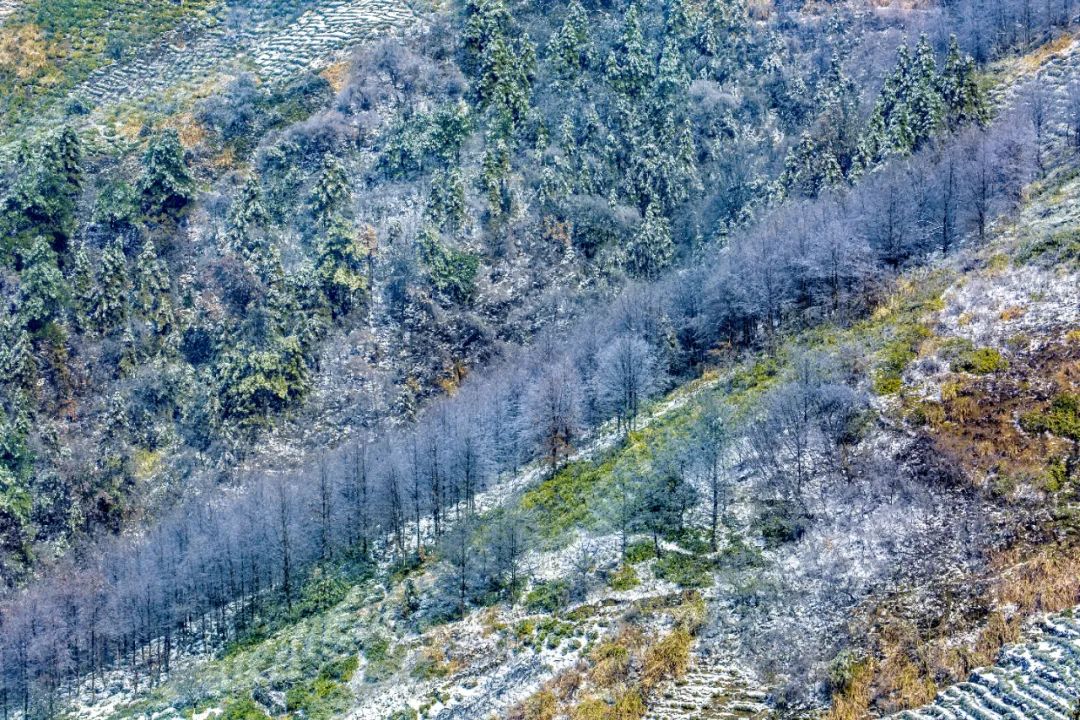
(532,219)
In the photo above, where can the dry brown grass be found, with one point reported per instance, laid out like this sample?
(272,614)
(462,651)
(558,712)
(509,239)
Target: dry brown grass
(668,658)
(1035,60)
(540,705)
(853,702)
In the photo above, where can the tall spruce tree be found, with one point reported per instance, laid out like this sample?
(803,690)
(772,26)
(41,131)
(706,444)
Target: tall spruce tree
(652,248)
(571,47)
(166,185)
(152,290)
(630,63)
(43,292)
(109,300)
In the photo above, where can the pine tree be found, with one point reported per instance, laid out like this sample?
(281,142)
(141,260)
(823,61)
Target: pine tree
(809,168)
(495,170)
(838,98)
(152,290)
(331,191)
(246,231)
(446,205)
(342,266)
(485,20)
(41,201)
(18,369)
(505,84)
(109,299)
(166,185)
(82,287)
(959,88)
(571,47)
(129,354)
(630,62)
(43,292)
(926,103)
(672,76)
(652,248)
(501,62)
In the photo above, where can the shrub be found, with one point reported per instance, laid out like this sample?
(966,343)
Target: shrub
(639,551)
(538,706)
(340,670)
(686,570)
(591,709)
(691,614)
(625,578)
(781,523)
(243,709)
(982,361)
(1061,419)
(547,596)
(629,705)
(896,355)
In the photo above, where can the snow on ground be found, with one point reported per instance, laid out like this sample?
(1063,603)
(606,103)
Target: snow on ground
(991,307)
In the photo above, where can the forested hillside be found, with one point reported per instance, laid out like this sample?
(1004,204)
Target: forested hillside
(623,341)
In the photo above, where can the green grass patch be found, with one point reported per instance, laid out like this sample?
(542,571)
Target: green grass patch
(982,361)
(1062,418)
(895,356)
(1052,249)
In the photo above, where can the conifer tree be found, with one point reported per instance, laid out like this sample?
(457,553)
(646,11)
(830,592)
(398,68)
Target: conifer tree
(446,205)
(18,368)
(152,290)
(630,62)
(652,248)
(959,88)
(672,76)
(41,201)
(43,292)
(810,168)
(166,185)
(109,300)
(82,288)
(342,265)
(129,353)
(571,47)
(331,191)
(837,126)
(926,103)
(246,232)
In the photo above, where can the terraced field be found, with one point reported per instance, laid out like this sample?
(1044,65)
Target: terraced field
(261,44)
(1036,680)
(7,7)
(712,689)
